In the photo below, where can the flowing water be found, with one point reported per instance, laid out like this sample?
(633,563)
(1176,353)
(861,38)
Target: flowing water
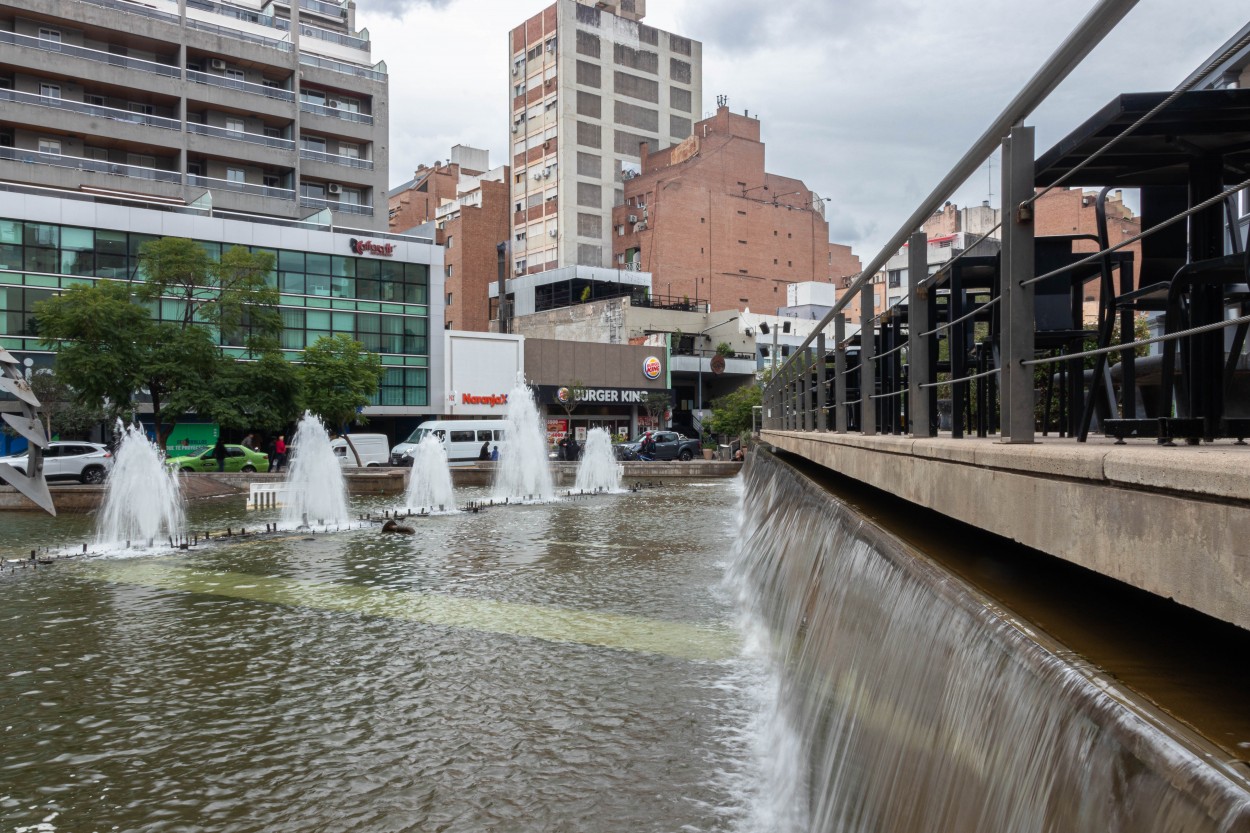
(553,667)
(142,499)
(905,701)
(598,470)
(429,485)
(523,471)
(316,494)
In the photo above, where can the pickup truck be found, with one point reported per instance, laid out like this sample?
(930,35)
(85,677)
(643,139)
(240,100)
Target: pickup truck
(669,445)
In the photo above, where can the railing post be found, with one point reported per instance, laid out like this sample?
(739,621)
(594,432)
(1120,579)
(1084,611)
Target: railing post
(809,391)
(839,373)
(867,362)
(822,392)
(1016,379)
(917,346)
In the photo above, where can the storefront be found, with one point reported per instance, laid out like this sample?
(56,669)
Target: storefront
(578,386)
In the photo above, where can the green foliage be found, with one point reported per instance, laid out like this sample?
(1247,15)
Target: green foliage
(731,414)
(260,394)
(724,349)
(64,414)
(570,405)
(585,294)
(655,404)
(339,377)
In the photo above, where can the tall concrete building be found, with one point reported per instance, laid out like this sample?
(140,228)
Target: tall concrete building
(590,83)
(271,108)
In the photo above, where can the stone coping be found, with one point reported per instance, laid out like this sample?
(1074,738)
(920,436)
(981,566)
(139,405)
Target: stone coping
(1219,471)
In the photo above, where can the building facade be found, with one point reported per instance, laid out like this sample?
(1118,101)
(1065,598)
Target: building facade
(709,223)
(263,108)
(464,206)
(589,85)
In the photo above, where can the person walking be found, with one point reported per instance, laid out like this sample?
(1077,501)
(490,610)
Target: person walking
(279,448)
(484,454)
(219,454)
(249,442)
(272,453)
(494,454)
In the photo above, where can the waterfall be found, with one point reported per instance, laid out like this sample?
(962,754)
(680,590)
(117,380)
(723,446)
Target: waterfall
(913,703)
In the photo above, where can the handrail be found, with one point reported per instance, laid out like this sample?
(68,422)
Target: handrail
(349,69)
(240,135)
(238,34)
(335,112)
(60,160)
(241,187)
(89,54)
(1088,33)
(336,159)
(234,84)
(113,113)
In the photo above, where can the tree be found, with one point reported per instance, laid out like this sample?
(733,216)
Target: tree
(732,413)
(656,405)
(575,393)
(64,412)
(110,347)
(260,394)
(339,378)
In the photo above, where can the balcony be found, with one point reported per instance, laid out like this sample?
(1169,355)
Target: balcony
(334,205)
(235,84)
(79,163)
(212,183)
(326,35)
(238,34)
(134,8)
(241,136)
(335,159)
(111,113)
(83,52)
(237,12)
(335,112)
(339,66)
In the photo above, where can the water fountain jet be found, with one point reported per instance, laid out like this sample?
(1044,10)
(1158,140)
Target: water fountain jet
(523,469)
(598,471)
(314,484)
(142,497)
(430,483)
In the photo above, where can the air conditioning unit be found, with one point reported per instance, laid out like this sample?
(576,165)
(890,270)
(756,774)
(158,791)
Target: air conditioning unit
(516,70)
(332,103)
(520,270)
(538,175)
(515,128)
(217,63)
(633,218)
(334,188)
(641,226)
(551,233)
(546,172)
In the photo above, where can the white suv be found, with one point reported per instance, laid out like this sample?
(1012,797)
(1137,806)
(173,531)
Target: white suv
(85,462)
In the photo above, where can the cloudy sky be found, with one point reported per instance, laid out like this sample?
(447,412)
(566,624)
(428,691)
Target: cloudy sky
(869,102)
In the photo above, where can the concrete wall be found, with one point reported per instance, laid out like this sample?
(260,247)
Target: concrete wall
(1169,521)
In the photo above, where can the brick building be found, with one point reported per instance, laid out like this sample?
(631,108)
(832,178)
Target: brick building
(463,205)
(588,83)
(710,223)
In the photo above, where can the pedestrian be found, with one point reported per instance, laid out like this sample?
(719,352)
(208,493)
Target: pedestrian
(739,456)
(279,448)
(219,454)
(494,454)
(484,454)
(271,452)
(249,442)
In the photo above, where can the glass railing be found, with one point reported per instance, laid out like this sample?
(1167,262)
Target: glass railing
(58,160)
(334,205)
(238,13)
(238,34)
(241,136)
(235,84)
(241,187)
(320,7)
(334,37)
(339,66)
(335,112)
(90,54)
(335,159)
(111,113)
(135,8)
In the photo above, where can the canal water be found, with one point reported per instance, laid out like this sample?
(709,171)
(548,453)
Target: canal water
(574,666)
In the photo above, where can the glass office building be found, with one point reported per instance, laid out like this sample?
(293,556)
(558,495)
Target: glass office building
(382,295)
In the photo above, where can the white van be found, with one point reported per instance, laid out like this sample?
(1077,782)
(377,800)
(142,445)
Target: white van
(372,448)
(462,439)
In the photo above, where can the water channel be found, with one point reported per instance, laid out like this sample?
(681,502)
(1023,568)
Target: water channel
(572,666)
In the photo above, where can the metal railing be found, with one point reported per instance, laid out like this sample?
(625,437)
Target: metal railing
(135,8)
(241,187)
(335,112)
(59,160)
(277,93)
(99,111)
(240,136)
(336,159)
(335,205)
(99,56)
(350,41)
(238,13)
(320,7)
(339,66)
(238,34)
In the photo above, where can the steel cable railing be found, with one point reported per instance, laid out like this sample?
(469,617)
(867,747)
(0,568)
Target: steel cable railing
(1132,345)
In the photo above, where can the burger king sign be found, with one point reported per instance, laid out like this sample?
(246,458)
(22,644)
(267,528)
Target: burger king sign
(651,367)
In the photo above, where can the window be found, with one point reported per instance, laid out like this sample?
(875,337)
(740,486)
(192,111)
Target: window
(98,154)
(447,270)
(235,175)
(448,299)
(136,107)
(97,100)
(350,196)
(896,277)
(234,125)
(50,146)
(50,90)
(235,74)
(313,143)
(53,35)
(520,236)
(451,242)
(350,150)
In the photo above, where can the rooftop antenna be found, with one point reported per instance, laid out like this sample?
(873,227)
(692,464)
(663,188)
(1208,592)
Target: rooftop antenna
(722,101)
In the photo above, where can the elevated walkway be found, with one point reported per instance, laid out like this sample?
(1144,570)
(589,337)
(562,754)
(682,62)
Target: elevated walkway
(1174,522)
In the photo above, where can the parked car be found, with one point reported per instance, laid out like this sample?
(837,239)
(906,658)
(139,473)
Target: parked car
(238,458)
(374,450)
(669,445)
(81,461)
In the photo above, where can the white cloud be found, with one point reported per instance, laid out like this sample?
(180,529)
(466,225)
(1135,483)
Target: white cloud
(868,103)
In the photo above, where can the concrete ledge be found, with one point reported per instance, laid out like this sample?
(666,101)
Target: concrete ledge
(1172,521)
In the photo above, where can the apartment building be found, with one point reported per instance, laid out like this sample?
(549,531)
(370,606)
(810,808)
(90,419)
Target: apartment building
(265,108)
(710,223)
(463,205)
(590,84)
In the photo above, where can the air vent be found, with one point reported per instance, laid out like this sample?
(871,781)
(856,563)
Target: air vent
(334,188)
(217,64)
